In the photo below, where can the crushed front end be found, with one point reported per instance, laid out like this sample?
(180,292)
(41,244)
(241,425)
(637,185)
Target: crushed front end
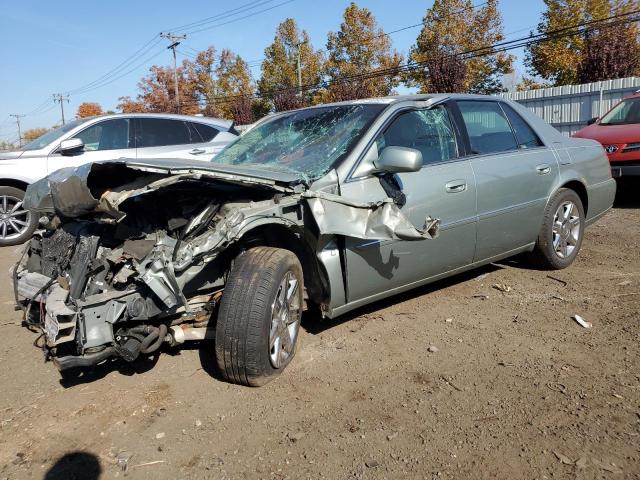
(130,259)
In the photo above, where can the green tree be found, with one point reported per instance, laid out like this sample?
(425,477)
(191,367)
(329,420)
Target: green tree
(359,49)
(455,26)
(199,77)
(235,87)
(559,60)
(279,79)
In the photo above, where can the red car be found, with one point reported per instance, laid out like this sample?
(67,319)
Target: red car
(619,133)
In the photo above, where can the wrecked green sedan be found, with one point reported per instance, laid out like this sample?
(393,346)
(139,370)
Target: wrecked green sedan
(330,207)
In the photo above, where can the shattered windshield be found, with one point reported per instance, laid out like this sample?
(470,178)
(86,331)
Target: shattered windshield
(305,142)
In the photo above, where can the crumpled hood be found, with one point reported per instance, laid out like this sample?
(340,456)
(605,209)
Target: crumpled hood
(102,186)
(178,166)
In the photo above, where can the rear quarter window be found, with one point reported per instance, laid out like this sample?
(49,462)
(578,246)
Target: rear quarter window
(205,132)
(525,135)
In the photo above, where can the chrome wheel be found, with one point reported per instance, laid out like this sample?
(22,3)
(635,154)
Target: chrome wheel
(14,219)
(566,229)
(285,321)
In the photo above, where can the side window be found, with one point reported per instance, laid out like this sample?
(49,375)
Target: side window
(429,131)
(525,135)
(159,132)
(205,132)
(107,135)
(488,128)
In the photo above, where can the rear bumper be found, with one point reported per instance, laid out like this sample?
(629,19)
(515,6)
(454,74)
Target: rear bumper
(601,196)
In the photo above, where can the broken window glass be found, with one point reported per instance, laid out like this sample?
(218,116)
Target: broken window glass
(307,142)
(429,131)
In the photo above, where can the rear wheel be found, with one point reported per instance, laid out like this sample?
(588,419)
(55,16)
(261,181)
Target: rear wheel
(16,223)
(561,234)
(259,317)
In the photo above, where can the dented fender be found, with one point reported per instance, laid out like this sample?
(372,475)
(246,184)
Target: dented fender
(380,220)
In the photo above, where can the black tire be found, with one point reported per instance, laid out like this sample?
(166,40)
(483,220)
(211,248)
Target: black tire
(31,219)
(245,316)
(544,253)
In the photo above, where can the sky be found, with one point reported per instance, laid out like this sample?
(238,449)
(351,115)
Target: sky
(61,46)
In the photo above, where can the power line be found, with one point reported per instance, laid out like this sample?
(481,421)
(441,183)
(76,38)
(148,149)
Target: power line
(124,74)
(401,29)
(465,55)
(118,72)
(192,32)
(109,77)
(222,15)
(105,78)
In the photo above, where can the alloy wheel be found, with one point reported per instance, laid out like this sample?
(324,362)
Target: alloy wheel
(566,229)
(285,321)
(14,219)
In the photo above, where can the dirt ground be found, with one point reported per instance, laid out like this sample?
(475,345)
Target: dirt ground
(515,389)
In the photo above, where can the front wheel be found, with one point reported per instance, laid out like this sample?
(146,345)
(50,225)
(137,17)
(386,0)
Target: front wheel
(562,230)
(16,224)
(259,317)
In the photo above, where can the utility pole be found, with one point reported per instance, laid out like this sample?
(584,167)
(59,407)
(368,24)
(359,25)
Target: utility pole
(298,45)
(60,98)
(175,41)
(18,117)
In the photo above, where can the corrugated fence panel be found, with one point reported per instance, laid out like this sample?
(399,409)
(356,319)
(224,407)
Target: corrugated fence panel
(568,108)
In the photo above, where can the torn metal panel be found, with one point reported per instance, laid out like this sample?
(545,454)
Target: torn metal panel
(104,186)
(64,190)
(380,220)
(234,220)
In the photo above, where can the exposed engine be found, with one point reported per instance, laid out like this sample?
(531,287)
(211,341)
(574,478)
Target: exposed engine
(99,286)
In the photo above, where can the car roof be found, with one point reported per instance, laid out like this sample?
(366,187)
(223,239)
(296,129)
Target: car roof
(393,99)
(217,122)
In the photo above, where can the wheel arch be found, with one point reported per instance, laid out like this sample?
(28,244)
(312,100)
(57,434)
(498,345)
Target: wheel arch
(280,235)
(581,190)
(12,182)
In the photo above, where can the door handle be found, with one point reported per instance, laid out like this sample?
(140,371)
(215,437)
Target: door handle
(543,169)
(456,186)
(197,151)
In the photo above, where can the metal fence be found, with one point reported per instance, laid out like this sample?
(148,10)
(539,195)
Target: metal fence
(568,108)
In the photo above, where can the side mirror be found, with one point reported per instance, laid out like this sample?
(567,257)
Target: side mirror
(71,146)
(591,121)
(399,159)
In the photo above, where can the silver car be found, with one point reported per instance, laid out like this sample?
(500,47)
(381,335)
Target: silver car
(107,137)
(329,207)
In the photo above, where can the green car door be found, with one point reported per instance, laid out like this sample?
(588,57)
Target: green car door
(515,175)
(444,188)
